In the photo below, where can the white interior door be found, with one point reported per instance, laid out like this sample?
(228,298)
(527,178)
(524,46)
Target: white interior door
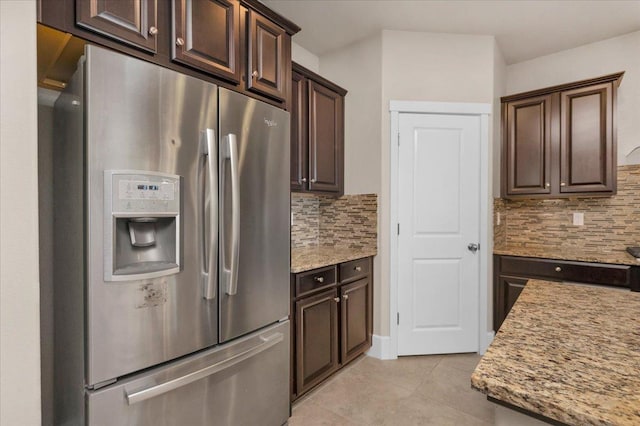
(439,217)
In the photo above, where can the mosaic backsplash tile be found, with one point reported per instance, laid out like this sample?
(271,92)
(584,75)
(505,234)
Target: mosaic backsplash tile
(350,220)
(610,223)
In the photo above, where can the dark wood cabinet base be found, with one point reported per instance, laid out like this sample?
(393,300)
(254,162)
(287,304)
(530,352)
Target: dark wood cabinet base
(332,310)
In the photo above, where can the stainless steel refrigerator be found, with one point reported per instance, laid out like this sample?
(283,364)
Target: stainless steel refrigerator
(171,220)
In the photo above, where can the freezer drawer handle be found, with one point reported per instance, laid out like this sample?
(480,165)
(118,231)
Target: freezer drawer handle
(152,392)
(209,152)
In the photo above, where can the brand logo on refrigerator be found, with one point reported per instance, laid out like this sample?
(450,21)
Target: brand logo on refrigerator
(270,123)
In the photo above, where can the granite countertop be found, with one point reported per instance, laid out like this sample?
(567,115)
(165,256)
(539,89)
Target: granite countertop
(569,352)
(307,258)
(619,257)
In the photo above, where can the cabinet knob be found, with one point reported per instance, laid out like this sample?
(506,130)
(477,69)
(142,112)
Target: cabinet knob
(313,181)
(318,279)
(336,299)
(563,184)
(153,31)
(345,297)
(558,269)
(547,184)
(304,180)
(255,74)
(358,268)
(180,41)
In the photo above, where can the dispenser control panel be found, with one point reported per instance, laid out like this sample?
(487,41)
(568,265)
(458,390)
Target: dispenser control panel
(144,192)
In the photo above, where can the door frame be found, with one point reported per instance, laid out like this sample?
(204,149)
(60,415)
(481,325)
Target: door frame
(482,110)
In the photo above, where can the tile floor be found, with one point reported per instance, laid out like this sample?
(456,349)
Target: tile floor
(419,390)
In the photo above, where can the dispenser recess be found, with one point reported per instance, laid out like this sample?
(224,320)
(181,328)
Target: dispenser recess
(142,224)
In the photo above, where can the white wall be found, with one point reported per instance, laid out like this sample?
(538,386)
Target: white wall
(592,60)
(499,90)
(305,58)
(358,68)
(19,287)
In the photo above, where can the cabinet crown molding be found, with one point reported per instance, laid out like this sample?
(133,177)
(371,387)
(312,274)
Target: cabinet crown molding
(616,78)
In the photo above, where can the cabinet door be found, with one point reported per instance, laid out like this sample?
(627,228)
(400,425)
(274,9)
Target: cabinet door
(316,339)
(355,318)
(130,21)
(586,140)
(507,291)
(266,57)
(299,134)
(326,144)
(528,146)
(206,36)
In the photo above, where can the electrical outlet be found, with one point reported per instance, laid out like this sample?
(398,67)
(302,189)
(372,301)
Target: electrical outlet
(498,218)
(578,219)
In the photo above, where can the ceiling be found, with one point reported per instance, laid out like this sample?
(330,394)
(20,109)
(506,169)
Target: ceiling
(523,29)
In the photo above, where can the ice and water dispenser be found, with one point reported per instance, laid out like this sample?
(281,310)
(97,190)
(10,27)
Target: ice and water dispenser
(143,230)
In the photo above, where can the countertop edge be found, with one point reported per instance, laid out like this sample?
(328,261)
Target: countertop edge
(358,254)
(628,261)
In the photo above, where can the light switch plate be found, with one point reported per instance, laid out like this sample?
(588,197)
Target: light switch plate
(578,219)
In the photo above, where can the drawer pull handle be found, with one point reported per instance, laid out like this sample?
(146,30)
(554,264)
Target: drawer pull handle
(318,279)
(345,297)
(558,269)
(336,299)
(358,268)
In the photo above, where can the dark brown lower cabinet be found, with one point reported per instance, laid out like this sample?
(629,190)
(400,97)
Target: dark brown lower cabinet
(507,292)
(316,338)
(354,318)
(511,273)
(333,316)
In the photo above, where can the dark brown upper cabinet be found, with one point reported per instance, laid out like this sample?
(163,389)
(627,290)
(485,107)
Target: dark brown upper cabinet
(561,141)
(317,133)
(206,35)
(267,59)
(132,21)
(219,41)
(528,141)
(587,154)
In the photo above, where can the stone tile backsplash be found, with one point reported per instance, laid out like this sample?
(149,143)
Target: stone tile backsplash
(610,223)
(350,220)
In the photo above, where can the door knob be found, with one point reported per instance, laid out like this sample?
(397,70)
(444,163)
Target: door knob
(336,299)
(345,297)
(319,279)
(304,180)
(153,31)
(313,181)
(180,41)
(255,74)
(558,269)
(473,247)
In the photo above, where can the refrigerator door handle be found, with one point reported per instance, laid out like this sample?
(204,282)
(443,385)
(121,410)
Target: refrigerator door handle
(210,274)
(231,273)
(168,386)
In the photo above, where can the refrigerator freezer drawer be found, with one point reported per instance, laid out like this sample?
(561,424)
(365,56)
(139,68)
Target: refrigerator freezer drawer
(245,382)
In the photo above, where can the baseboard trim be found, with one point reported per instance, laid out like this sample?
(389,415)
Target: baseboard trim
(490,336)
(380,347)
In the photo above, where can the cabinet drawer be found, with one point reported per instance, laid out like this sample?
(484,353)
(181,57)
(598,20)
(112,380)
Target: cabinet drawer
(558,270)
(354,269)
(311,281)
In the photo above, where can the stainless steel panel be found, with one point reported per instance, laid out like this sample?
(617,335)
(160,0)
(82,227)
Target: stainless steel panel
(143,117)
(245,382)
(261,134)
(68,255)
